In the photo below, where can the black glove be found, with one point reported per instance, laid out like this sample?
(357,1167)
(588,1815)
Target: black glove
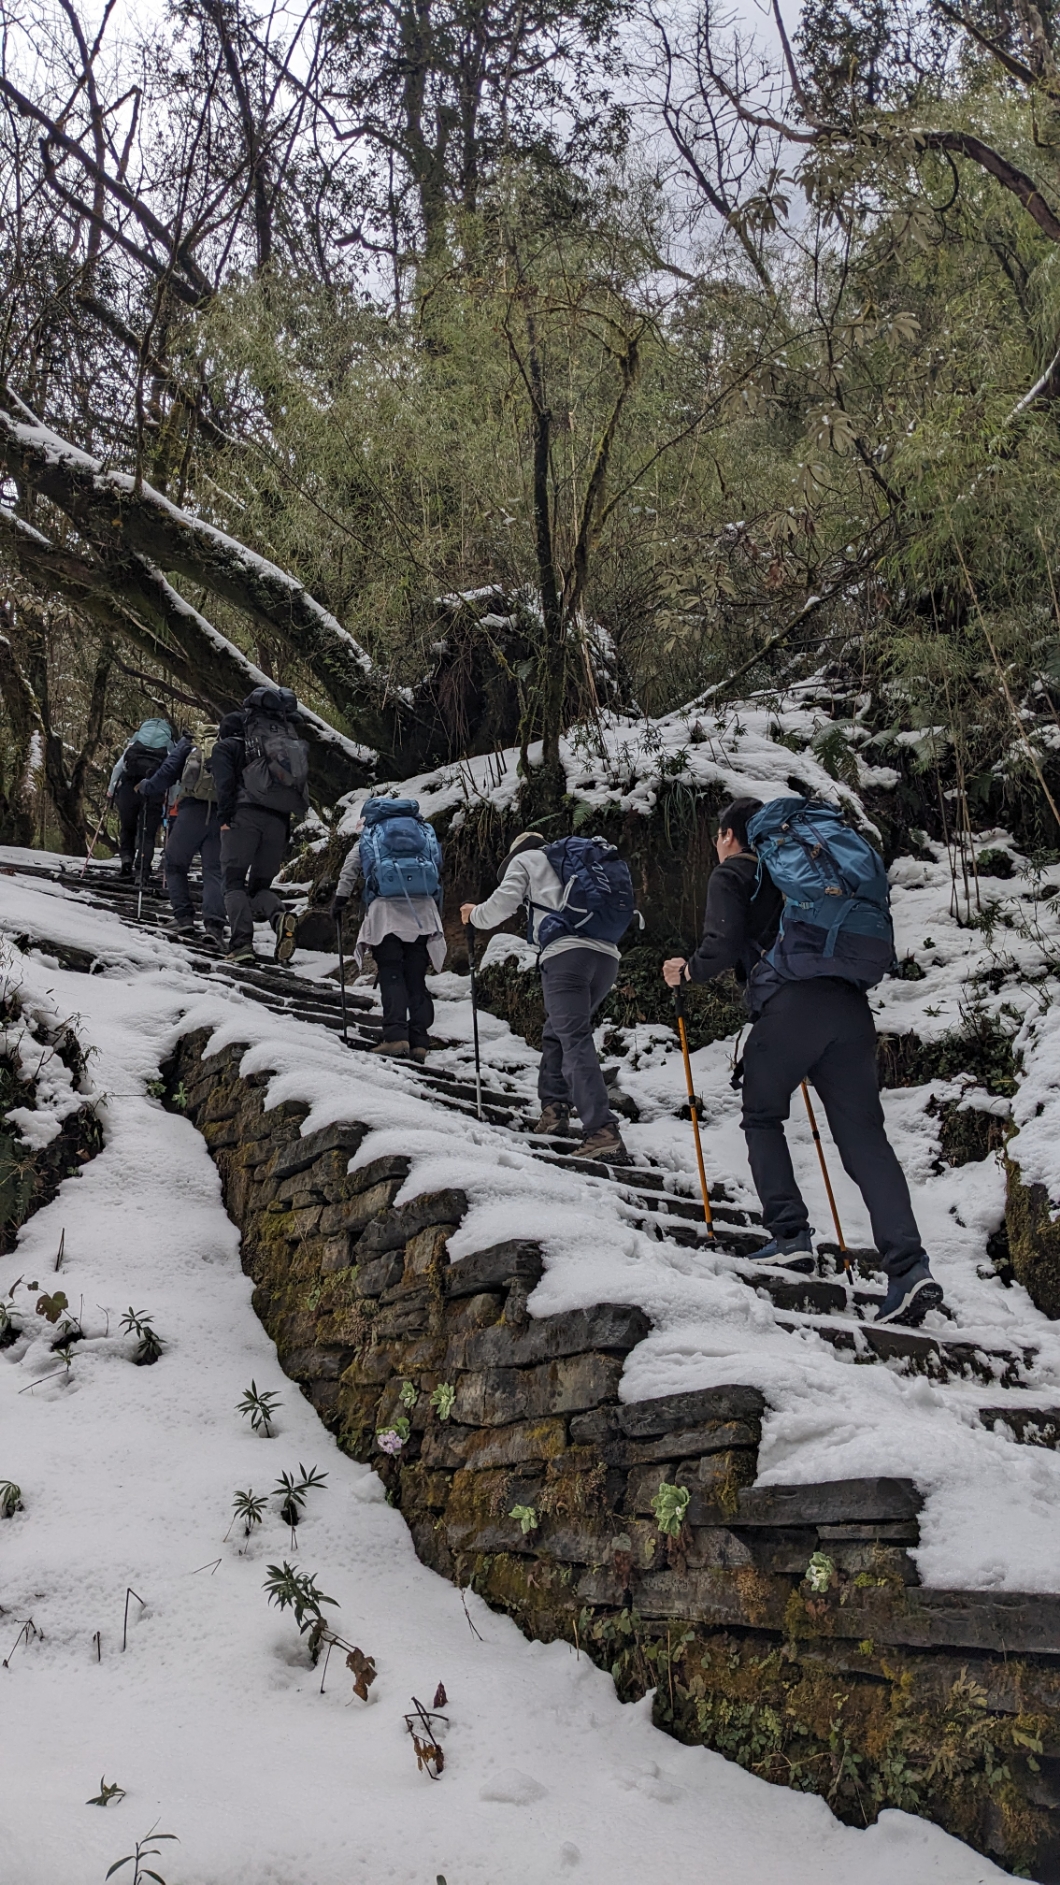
(338,904)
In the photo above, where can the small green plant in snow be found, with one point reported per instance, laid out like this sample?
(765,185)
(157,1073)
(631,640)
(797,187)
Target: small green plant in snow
(106,1794)
(527,1516)
(669,1506)
(292,1491)
(136,1860)
(149,1346)
(442,1399)
(291,1589)
(250,1507)
(10,1498)
(261,1407)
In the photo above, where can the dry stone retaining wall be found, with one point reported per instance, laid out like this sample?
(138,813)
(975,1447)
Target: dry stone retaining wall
(869,1690)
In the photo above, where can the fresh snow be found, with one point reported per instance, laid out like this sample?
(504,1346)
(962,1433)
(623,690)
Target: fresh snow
(211,1719)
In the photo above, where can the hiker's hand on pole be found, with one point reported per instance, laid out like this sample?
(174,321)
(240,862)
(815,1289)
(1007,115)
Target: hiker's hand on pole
(675,971)
(465,913)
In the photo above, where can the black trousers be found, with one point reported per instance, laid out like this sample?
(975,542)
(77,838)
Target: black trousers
(408,1011)
(130,805)
(822,1031)
(252,850)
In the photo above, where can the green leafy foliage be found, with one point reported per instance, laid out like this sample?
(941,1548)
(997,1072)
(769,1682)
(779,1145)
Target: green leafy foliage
(297,1591)
(442,1399)
(260,1406)
(149,1346)
(527,1517)
(291,1491)
(143,1850)
(819,1573)
(106,1794)
(10,1498)
(669,1506)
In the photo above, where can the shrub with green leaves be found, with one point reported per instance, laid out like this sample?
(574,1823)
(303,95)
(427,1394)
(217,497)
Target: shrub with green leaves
(669,1506)
(409,1395)
(297,1591)
(527,1516)
(292,1492)
(250,1507)
(442,1399)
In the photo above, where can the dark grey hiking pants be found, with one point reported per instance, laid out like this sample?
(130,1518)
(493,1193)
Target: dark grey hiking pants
(574,983)
(252,850)
(195,828)
(408,1011)
(822,1031)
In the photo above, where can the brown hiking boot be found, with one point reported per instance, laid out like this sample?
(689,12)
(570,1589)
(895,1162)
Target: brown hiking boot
(394,1050)
(554,1120)
(605,1144)
(419,1055)
(285,943)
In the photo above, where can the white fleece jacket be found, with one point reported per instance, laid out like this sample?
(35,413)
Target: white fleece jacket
(531,879)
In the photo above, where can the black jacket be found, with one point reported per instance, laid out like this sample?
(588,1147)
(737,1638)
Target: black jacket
(740,922)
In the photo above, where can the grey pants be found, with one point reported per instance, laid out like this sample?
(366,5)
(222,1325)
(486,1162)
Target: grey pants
(195,828)
(252,850)
(574,983)
(822,1031)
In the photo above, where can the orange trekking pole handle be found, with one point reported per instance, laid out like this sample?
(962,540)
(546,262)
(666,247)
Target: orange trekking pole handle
(693,1107)
(840,1239)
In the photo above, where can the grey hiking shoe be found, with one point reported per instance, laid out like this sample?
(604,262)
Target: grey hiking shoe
(285,943)
(392,1050)
(606,1145)
(788,1253)
(553,1120)
(246,953)
(909,1297)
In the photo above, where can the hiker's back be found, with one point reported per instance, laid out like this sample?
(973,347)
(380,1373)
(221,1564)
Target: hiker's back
(276,769)
(400,853)
(836,918)
(146,750)
(598,901)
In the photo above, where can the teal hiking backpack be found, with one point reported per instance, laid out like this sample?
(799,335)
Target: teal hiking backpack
(400,852)
(836,918)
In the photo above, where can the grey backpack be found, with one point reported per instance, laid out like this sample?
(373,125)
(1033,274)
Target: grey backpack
(276,773)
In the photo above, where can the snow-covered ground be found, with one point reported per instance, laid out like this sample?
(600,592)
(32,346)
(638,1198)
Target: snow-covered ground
(211,1718)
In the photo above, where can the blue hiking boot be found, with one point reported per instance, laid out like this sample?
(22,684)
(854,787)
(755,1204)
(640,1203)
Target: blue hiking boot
(909,1297)
(788,1253)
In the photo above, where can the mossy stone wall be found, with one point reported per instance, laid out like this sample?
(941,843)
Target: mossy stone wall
(520,1472)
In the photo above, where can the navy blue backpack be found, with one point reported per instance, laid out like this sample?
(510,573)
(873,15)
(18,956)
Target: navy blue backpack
(599,900)
(400,852)
(836,918)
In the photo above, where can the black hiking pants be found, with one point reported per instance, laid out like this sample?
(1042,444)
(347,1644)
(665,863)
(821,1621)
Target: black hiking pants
(252,850)
(822,1031)
(408,1011)
(195,827)
(131,806)
(574,982)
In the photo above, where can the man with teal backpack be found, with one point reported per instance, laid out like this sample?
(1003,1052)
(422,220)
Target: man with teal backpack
(799,907)
(139,814)
(399,861)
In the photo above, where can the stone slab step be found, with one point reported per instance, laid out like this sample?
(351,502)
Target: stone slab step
(935,1356)
(1031,1426)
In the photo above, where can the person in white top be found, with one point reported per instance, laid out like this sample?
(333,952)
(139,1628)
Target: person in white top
(577,973)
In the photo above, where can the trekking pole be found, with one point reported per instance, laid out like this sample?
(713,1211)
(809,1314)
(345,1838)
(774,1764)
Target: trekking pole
(693,1107)
(474,1016)
(143,840)
(342,981)
(95,839)
(839,1237)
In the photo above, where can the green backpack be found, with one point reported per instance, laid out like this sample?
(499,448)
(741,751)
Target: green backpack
(197,781)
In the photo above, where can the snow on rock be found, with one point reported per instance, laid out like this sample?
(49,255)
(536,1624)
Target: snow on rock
(211,1718)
